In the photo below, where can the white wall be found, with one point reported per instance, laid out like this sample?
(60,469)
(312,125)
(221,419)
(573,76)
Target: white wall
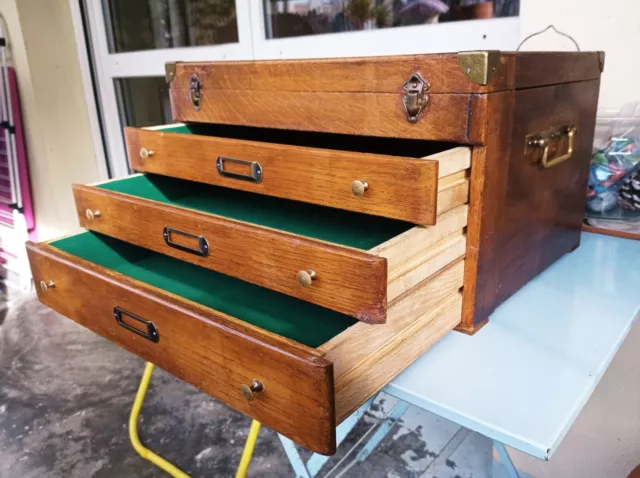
(612,26)
(56,119)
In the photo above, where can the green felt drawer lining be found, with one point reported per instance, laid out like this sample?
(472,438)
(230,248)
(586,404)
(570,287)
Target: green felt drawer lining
(281,314)
(346,228)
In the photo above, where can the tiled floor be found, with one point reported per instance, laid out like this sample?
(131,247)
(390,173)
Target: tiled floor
(65,396)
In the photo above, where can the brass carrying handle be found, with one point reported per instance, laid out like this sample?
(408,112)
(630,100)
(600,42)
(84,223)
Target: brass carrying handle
(544,141)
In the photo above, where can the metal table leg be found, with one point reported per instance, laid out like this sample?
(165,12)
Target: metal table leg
(505,459)
(311,468)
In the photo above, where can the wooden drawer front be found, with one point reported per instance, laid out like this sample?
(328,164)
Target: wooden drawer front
(398,187)
(210,350)
(348,280)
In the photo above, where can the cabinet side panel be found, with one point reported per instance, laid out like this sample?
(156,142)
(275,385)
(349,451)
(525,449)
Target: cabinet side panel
(526,217)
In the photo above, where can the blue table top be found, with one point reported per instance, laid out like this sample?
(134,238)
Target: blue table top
(524,378)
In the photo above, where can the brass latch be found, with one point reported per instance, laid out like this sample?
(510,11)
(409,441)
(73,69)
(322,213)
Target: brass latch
(415,98)
(195,92)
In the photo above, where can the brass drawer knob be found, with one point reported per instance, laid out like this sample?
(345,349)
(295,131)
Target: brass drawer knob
(358,188)
(44,286)
(91,214)
(145,153)
(249,390)
(305,278)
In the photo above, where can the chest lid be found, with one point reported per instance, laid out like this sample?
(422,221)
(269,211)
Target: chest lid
(463,72)
(429,96)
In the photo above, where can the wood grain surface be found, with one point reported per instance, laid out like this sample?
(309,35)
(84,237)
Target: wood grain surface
(370,375)
(210,350)
(363,96)
(382,74)
(452,160)
(362,113)
(434,258)
(399,187)
(535,69)
(611,232)
(412,246)
(523,217)
(387,74)
(348,280)
(453,194)
(486,190)
(361,340)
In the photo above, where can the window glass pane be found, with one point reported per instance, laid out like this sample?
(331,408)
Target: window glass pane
(290,18)
(134,25)
(143,101)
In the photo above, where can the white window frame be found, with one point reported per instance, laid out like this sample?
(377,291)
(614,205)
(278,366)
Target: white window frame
(494,34)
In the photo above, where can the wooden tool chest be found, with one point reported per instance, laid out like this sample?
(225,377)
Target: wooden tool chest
(312,227)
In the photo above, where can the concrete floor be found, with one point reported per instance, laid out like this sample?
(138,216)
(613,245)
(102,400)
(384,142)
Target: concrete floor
(65,397)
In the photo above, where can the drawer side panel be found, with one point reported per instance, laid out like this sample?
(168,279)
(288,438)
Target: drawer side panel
(368,377)
(523,217)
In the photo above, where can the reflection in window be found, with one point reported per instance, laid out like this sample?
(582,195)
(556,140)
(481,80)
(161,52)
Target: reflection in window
(134,25)
(290,18)
(143,101)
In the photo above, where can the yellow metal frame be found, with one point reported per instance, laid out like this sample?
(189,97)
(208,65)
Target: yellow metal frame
(157,459)
(247,453)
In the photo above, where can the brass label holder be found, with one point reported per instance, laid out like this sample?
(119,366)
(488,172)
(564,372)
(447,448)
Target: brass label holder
(202,248)
(543,141)
(254,168)
(151,332)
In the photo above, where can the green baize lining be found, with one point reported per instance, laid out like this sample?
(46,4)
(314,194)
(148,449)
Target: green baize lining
(304,322)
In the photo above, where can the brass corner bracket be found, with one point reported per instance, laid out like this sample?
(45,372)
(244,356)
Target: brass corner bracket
(170,71)
(479,66)
(601,57)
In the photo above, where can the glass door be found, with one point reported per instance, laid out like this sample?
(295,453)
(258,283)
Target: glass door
(294,18)
(131,40)
(338,28)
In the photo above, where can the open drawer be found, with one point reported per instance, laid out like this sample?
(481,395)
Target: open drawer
(349,262)
(384,177)
(296,367)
